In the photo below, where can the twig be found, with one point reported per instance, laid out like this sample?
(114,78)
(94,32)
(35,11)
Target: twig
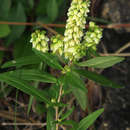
(57,108)
(48,28)
(123,48)
(62,25)
(62,127)
(104,48)
(21,124)
(10,117)
(115,54)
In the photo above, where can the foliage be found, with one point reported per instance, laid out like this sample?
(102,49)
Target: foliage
(59,54)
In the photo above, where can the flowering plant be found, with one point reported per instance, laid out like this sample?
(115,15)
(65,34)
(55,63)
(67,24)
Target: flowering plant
(60,64)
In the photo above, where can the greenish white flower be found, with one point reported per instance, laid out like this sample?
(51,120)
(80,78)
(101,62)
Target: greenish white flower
(39,41)
(92,36)
(57,44)
(77,14)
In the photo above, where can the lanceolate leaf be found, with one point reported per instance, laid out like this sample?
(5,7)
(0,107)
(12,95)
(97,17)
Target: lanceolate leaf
(70,123)
(98,78)
(89,120)
(101,62)
(67,114)
(50,59)
(74,80)
(4,30)
(36,75)
(28,60)
(24,86)
(52,9)
(77,87)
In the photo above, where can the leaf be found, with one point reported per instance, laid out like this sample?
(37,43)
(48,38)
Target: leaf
(48,59)
(16,14)
(28,60)
(41,8)
(81,97)
(89,120)
(36,75)
(22,47)
(98,78)
(67,114)
(24,86)
(74,80)
(50,119)
(70,123)
(4,8)
(40,109)
(77,87)
(101,62)
(52,9)
(4,30)
(31,3)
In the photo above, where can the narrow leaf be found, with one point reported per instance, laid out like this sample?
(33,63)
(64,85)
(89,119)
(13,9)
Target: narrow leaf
(4,30)
(36,75)
(81,97)
(70,123)
(52,9)
(67,114)
(77,87)
(74,80)
(28,60)
(49,59)
(89,120)
(101,62)
(24,86)
(98,78)
(16,14)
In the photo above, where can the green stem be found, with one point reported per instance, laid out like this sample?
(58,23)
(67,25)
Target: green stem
(57,108)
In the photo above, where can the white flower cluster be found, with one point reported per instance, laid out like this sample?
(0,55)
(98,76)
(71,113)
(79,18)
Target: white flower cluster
(92,36)
(40,41)
(77,14)
(74,44)
(57,44)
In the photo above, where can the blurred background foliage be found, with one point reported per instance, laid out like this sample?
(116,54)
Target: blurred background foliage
(15,39)
(18,36)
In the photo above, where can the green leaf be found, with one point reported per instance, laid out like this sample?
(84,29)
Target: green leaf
(49,59)
(22,48)
(31,3)
(16,14)
(4,8)
(77,87)
(89,120)
(24,86)
(81,97)
(4,30)
(28,60)
(101,62)
(67,114)
(52,9)
(74,80)
(50,119)
(70,123)
(40,109)
(36,75)
(98,78)
(41,8)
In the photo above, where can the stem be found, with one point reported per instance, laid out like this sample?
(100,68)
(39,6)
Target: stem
(57,108)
